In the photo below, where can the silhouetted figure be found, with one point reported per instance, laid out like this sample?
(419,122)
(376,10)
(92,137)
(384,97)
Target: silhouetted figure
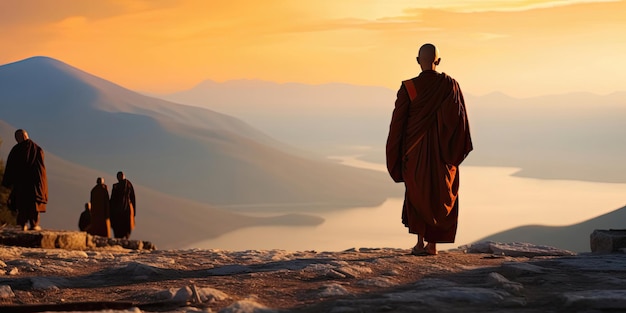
(84,221)
(122,207)
(25,173)
(428,139)
(100,213)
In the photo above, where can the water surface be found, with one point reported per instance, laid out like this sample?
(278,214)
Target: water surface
(491,200)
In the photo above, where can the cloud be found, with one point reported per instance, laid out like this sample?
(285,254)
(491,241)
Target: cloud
(37,12)
(174,43)
(476,6)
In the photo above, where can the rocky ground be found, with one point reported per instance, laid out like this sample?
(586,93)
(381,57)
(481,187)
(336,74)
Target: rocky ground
(485,277)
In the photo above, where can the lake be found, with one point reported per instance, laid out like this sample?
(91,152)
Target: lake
(491,200)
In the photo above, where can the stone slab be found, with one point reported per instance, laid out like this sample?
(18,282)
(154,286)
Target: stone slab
(62,239)
(608,241)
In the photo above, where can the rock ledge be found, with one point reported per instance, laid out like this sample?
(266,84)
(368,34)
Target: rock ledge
(62,239)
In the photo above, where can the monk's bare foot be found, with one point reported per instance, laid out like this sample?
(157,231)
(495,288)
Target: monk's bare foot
(431,248)
(418,249)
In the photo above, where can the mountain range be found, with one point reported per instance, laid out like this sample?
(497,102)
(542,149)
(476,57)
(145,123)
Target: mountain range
(185,161)
(186,151)
(575,136)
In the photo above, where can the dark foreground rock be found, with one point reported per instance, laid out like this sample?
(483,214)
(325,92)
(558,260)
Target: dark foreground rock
(486,277)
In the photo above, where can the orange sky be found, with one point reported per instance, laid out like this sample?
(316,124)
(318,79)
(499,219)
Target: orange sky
(522,48)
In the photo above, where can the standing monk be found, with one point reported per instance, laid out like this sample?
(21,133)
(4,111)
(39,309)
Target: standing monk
(122,207)
(25,173)
(100,224)
(428,139)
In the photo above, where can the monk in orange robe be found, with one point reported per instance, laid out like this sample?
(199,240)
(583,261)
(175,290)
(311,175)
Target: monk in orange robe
(25,173)
(428,139)
(100,213)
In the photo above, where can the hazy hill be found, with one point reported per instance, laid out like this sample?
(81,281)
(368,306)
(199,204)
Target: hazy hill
(573,237)
(568,136)
(184,151)
(168,221)
(578,136)
(322,116)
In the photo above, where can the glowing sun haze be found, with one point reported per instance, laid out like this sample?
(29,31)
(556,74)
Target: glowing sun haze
(521,48)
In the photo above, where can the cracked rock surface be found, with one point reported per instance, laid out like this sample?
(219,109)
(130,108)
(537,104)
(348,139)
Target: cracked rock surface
(468,279)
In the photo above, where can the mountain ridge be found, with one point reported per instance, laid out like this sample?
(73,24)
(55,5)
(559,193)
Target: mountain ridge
(70,184)
(186,161)
(193,153)
(573,237)
(573,136)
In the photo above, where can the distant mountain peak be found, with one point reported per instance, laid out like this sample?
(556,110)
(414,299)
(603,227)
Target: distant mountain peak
(41,58)
(39,68)
(497,94)
(38,61)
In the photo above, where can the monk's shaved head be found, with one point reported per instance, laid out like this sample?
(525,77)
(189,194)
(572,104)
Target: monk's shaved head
(20,135)
(428,57)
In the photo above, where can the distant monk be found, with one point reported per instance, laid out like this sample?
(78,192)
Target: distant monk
(100,213)
(25,173)
(428,139)
(122,207)
(85,218)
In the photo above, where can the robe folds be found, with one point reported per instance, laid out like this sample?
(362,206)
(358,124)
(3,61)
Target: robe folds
(428,139)
(25,173)
(100,213)
(123,206)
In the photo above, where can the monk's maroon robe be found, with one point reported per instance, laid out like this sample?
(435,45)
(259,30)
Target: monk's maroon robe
(428,139)
(122,206)
(100,213)
(25,173)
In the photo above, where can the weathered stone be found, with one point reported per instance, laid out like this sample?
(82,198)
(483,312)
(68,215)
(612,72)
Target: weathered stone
(515,249)
(90,242)
(211,295)
(70,240)
(64,240)
(6,292)
(147,245)
(608,241)
(354,271)
(500,281)
(333,290)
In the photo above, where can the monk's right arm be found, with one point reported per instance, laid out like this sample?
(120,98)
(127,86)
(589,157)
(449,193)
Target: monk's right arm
(396,135)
